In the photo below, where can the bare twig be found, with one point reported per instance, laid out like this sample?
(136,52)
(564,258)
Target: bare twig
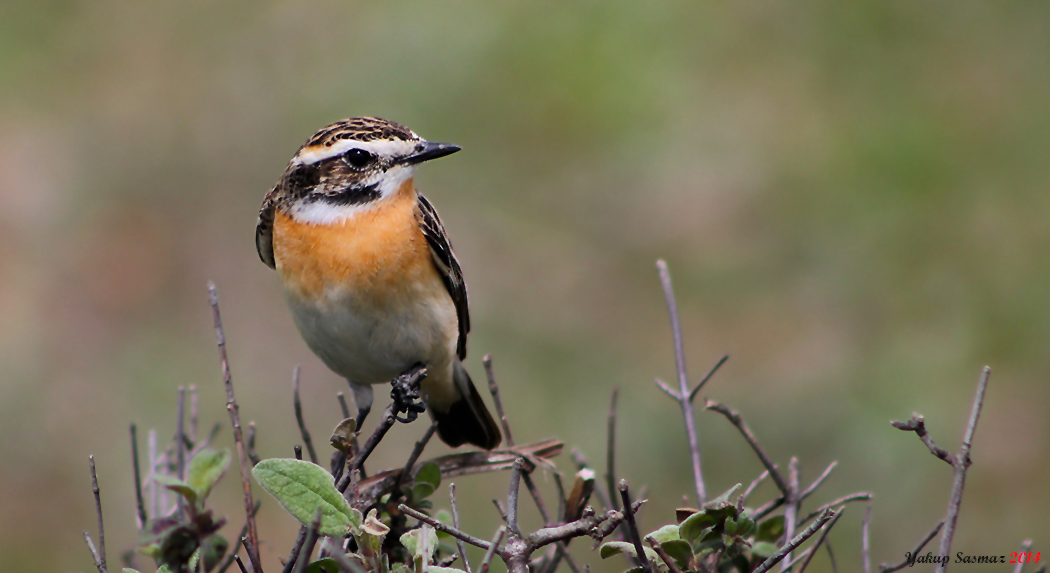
(865,546)
(862,496)
(791,511)
(512,497)
(455,522)
(710,373)
(632,526)
(831,556)
(453,531)
(754,484)
(499,509)
(411,378)
(140,504)
(342,405)
(237,544)
(406,472)
(795,542)
(299,417)
(738,421)
(192,435)
(909,558)
(610,448)
(303,560)
(820,540)
(252,547)
(683,381)
(94,553)
(509,439)
(253,455)
(293,557)
(1025,546)
(298,452)
(496,539)
(154,501)
(797,557)
(917,424)
(98,512)
(667,559)
(494,390)
(180,450)
(960,464)
(817,482)
(237,559)
(582,463)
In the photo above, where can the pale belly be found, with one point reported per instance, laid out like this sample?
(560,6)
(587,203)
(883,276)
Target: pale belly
(372,344)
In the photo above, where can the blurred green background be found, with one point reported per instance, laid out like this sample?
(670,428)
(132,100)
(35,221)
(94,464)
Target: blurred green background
(852,198)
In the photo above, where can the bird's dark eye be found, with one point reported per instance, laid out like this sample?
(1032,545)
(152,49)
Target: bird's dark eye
(358,158)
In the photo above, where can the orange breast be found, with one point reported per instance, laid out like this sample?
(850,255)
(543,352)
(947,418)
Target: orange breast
(377,256)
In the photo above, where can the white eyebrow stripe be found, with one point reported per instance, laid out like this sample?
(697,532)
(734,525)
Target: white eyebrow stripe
(387,147)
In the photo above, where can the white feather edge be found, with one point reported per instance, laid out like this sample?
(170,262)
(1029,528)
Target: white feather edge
(387,147)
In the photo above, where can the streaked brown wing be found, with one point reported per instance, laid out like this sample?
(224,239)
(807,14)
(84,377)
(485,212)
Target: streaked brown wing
(447,265)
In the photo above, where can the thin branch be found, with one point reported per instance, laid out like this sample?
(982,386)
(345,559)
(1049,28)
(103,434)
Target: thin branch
(861,496)
(768,508)
(499,509)
(94,553)
(610,448)
(303,560)
(237,544)
(797,557)
(342,405)
(411,378)
(831,556)
(299,417)
(917,424)
(293,556)
(453,531)
(494,390)
(154,501)
(455,522)
(865,546)
(1025,546)
(683,380)
(512,497)
(791,511)
(667,390)
(98,512)
(738,421)
(823,535)
(909,558)
(632,526)
(598,527)
(710,373)
(496,539)
(818,482)
(798,540)
(180,450)
(754,484)
(961,464)
(140,504)
(672,565)
(406,472)
(237,559)
(252,548)
(193,415)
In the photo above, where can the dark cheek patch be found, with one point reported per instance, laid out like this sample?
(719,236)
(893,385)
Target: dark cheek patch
(352,195)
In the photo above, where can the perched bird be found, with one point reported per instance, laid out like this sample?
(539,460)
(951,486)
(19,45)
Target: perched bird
(368,271)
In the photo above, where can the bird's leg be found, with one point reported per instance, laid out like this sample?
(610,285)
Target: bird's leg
(362,399)
(405,393)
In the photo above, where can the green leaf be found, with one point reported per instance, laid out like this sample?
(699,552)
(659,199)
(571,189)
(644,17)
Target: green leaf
(302,488)
(194,559)
(213,548)
(611,548)
(206,468)
(763,549)
(326,565)
(665,533)
(723,504)
(695,524)
(414,541)
(178,486)
(429,473)
(635,570)
(163,569)
(129,570)
(343,436)
(680,551)
(771,529)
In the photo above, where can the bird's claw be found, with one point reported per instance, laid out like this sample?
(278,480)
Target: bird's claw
(405,393)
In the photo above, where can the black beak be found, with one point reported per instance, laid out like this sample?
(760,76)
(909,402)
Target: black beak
(428,150)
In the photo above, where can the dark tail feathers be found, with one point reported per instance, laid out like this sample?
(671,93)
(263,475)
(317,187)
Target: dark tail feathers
(468,421)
